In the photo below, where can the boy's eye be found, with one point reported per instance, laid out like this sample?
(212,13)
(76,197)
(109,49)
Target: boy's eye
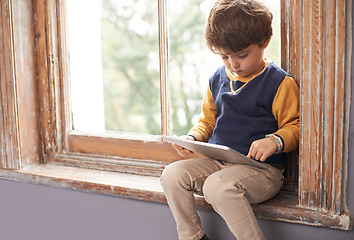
(243,55)
(224,57)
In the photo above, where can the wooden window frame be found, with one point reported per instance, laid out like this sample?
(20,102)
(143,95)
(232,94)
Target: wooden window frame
(143,154)
(316,49)
(35,124)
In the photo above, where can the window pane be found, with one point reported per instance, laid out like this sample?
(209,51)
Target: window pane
(114,65)
(191,63)
(273,49)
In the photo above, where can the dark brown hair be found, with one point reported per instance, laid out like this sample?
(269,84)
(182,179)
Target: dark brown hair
(233,25)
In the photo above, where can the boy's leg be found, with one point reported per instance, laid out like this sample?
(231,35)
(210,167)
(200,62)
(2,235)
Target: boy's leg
(180,180)
(232,190)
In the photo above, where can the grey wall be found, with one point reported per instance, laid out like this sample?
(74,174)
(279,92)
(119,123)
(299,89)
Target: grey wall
(36,212)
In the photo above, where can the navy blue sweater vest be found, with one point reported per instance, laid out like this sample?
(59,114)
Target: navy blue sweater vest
(246,115)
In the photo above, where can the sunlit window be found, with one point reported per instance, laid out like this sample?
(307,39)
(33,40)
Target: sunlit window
(114,63)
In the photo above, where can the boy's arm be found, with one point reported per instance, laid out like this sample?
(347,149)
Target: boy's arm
(205,126)
(286,112)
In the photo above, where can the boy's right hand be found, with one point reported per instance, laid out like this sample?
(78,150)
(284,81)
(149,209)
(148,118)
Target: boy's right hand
(182,151)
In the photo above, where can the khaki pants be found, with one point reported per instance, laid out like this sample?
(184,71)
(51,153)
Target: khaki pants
(229,188)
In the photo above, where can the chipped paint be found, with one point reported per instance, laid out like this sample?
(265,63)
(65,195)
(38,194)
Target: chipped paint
(10,153)
(281,208)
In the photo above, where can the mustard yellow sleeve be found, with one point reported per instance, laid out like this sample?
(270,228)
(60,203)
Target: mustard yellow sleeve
(207,119)
(286,112)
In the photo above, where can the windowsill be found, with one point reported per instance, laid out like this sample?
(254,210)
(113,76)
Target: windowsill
(283,207)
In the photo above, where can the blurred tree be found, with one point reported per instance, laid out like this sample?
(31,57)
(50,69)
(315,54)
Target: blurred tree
(131,64)
(186,34)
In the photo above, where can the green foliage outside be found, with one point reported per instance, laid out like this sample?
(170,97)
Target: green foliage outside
(131,78)
(131,64)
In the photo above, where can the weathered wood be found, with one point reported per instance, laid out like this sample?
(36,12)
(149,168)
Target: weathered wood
(9,135)
(164,86)
(57,135)
(64,108)
(281,208)
(316,35)
(115,164)
(121,146)
(42,75)
(26,82)
(48,76)
(291,180)
(312,85)
(289,59)
(54,65)
(19,111)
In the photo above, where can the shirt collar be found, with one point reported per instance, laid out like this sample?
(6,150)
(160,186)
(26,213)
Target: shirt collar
(235,77)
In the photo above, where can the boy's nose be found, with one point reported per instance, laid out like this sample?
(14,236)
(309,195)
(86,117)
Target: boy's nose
(234,64)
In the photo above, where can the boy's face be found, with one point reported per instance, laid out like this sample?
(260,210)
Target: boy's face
(246,62)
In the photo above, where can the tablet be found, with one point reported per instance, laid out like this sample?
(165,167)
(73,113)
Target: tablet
(214,151)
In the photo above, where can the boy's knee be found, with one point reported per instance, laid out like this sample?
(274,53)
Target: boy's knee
(172,174)
(216,190)
(212,189)
(168,173)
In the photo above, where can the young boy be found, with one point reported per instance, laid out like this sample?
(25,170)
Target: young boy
(252,106)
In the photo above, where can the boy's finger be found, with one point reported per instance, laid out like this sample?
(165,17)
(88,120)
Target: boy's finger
(184,152)
(176,146)
(249,155)
(263,158)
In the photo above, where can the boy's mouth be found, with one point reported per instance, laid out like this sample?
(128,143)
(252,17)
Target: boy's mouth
(236,72)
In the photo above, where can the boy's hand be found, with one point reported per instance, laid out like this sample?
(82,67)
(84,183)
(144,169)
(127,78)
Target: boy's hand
(182,151)
(262,149)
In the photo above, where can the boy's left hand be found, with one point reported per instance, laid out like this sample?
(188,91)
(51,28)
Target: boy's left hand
(262,149)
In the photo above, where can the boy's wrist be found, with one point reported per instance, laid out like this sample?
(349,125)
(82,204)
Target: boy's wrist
(189,135)
(278,141)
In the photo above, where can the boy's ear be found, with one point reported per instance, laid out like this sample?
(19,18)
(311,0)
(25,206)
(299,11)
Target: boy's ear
(265,43)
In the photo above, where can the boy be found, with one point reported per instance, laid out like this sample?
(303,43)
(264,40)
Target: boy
(252,106)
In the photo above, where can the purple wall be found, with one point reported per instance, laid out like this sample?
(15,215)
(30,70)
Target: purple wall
(37,212)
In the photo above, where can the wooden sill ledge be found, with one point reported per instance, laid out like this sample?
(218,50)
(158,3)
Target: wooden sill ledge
(282,208)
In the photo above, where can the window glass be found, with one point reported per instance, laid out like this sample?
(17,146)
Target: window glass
(114,63)
(190,61)
(273,49)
